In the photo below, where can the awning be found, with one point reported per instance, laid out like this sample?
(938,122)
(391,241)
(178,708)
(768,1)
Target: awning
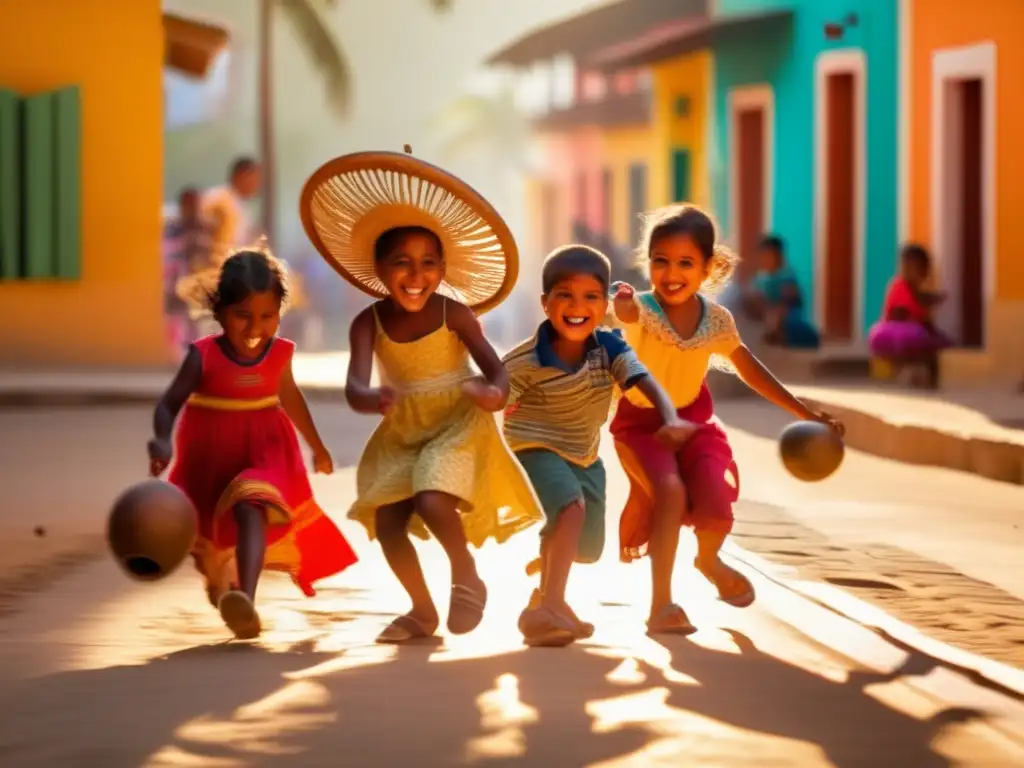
(675,38)
(582,35)
(615,111)
(190,47)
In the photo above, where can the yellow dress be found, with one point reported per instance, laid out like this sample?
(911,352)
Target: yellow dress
(437,439)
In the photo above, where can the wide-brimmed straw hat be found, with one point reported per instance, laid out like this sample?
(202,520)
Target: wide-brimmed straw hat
(352,200)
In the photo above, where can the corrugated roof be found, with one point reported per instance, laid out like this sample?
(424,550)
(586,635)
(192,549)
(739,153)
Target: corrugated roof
(584,34)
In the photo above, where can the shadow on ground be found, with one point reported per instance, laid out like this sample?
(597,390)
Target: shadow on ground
(237,705)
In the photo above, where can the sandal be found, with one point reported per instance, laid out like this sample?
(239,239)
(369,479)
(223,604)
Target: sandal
(466,608)
(584,629)
(735,589)
(543,628)
(405,629)
(239,614)
(670,620)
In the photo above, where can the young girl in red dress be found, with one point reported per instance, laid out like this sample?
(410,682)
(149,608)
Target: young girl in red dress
(236,454)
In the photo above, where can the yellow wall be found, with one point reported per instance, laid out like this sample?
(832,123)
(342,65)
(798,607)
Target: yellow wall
(112,49)
(620,148)
(686,75)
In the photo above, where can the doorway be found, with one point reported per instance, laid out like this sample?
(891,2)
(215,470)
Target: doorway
(549,214)
(963,211)
(637,201)
(839,207)
(750,138)
(839,195)
(963,188)
(607,189)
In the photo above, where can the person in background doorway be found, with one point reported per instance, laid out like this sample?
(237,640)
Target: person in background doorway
(776,300)
(906,335)
(186,250)
(224,207)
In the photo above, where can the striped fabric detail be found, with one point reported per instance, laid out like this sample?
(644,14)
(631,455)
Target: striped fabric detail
(563,411)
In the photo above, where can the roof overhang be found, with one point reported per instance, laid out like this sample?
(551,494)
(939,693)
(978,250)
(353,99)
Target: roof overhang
(582,35)
(675,38)
(190,47)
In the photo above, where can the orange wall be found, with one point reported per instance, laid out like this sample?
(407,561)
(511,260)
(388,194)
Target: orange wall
(937,24)
(112,49)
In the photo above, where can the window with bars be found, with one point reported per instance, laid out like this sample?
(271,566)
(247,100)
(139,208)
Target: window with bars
(41,185)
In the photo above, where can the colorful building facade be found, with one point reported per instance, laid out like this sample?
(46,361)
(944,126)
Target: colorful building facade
(99,300)
(961,162)
(806,146)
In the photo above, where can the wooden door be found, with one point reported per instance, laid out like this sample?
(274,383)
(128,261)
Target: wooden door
(972,305)
(840,213)
(750,175)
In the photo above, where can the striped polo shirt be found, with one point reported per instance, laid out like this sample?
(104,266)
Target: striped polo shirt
(562,409)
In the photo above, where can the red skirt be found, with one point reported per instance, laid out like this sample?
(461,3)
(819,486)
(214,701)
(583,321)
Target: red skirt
(705,464)
(227,457)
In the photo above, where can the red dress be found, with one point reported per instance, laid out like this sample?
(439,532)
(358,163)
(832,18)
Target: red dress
(235,444)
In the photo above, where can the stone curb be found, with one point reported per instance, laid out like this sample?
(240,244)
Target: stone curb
(928,446)
(823,612)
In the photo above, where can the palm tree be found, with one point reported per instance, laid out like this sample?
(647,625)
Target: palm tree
(489,123)
(307,18)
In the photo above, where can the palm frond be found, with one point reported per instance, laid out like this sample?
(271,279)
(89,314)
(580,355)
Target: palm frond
(327,55)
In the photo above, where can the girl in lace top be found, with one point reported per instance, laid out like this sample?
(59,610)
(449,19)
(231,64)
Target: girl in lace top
(678,332)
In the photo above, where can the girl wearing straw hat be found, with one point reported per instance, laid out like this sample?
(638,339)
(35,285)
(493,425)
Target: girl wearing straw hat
(435,254)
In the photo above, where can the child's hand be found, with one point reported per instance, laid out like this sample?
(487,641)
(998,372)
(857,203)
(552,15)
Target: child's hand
(486,396)
(160,454)
(832,421)
(386,398)
(323,462)
(624,293)
(675,433)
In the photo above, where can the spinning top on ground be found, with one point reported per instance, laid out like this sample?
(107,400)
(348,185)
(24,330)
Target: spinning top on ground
(151,529)
(810,450)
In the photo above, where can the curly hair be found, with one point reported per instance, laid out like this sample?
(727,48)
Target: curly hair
(246,272)
(695,223)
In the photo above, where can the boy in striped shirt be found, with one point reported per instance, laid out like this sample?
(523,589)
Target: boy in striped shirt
(561,385)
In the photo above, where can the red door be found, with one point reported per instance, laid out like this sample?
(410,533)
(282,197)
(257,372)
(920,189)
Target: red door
(750,176)
(841,159)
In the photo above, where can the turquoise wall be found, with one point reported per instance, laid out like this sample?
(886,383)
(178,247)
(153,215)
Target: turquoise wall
(782,53)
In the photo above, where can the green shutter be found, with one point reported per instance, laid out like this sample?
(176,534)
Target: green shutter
(681,175)
(41,185)
(68,213)
(10,186)
(39,122)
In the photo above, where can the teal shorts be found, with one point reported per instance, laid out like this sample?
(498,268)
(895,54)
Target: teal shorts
(558,483)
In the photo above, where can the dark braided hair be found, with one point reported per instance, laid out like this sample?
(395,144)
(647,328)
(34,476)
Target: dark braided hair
(245,273)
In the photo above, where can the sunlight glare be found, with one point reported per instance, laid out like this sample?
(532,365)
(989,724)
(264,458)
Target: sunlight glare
(256,728)
(503,713)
